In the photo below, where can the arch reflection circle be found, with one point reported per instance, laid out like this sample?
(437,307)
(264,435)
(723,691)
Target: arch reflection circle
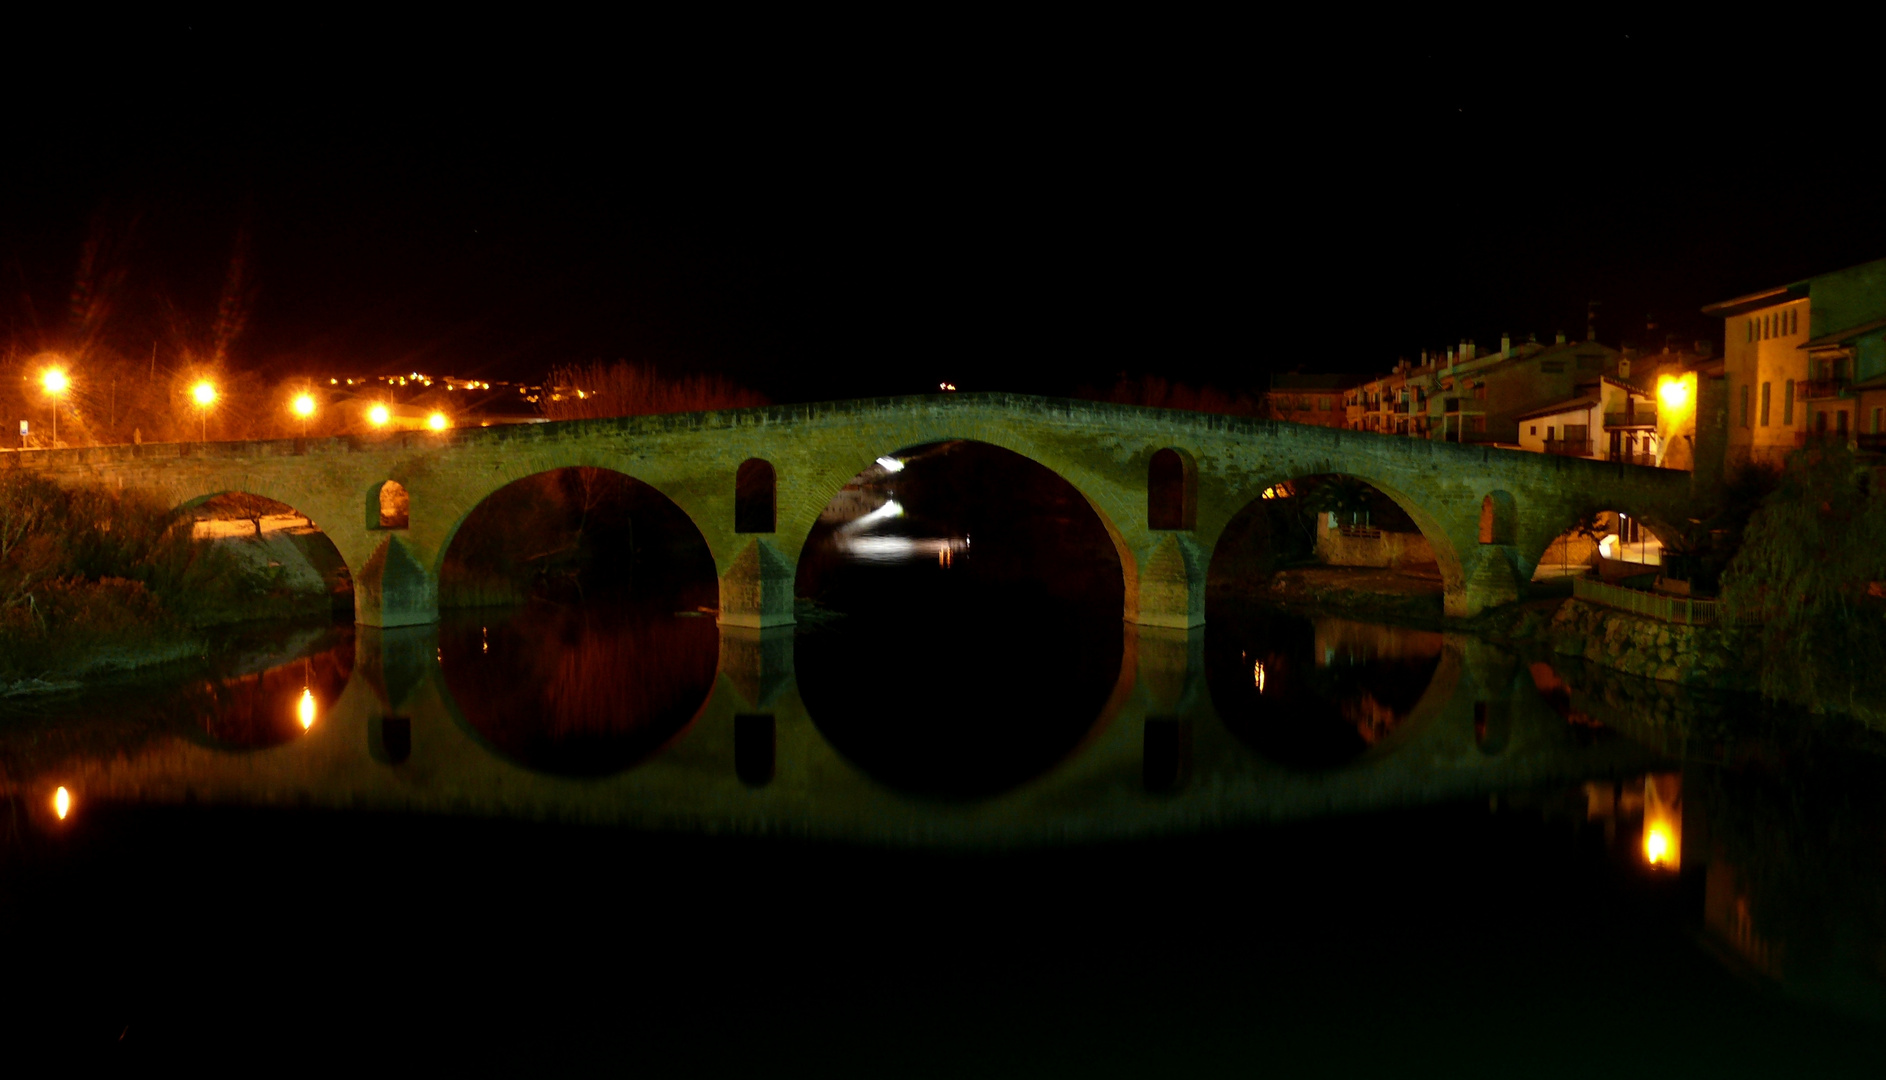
(573,640)
(967,632)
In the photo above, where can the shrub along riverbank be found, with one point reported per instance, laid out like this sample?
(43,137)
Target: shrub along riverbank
(92,579)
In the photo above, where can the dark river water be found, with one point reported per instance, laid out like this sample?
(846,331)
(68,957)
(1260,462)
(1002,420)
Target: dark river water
(976,840)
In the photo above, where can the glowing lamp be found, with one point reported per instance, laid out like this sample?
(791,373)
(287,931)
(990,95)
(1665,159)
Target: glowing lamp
(890,464)
(1257,676)
(438,422)
(1657,845)
(62,802)
(304,406)
(304,709)
(204,394)
(1674,393)
(53,380)
(378,415)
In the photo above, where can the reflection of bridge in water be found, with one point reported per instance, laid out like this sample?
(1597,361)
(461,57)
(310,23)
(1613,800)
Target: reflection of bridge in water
(1158,759)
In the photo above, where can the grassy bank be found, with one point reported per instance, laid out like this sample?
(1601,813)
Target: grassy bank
(94,579)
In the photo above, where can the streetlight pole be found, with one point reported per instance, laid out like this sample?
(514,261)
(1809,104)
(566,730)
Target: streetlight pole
(54,381)
(205,395)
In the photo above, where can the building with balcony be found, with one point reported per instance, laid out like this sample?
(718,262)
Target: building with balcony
(1466,395)
(1615,421)
(1805,360)
(1309,399)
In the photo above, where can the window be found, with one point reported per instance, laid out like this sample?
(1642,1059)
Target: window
(1480,392)
(1751,329)
(1322,404)
(1840,422)
(1745,405)
(1551,433)
(1787,402)
(1876,412)
(1765,387)
(1794,320)
(1534,430)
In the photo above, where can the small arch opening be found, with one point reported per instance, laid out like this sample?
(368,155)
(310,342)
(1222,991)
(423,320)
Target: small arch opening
(1171,492)
(1497,511)
(390,507)
(1618,546)
(755,497)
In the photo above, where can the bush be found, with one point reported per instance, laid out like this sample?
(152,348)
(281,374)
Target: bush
(1804,580)
(87,568)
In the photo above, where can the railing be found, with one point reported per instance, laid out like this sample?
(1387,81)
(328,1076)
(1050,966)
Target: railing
(1626,458)
(1822,388)
(1687,610)
(1569,447)
(1636,418)
(1399,406)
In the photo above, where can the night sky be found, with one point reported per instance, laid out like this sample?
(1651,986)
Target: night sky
(849,209)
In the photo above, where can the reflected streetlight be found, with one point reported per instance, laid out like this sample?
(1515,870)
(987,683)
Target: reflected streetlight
(204,394)
(55,382)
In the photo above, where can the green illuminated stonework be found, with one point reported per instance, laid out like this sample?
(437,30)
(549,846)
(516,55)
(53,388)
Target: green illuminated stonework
(1103,450)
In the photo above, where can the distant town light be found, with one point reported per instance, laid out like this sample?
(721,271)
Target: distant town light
(438,422)
(378,415)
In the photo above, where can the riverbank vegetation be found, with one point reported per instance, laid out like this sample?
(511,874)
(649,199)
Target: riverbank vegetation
(1808,584)
(91,577)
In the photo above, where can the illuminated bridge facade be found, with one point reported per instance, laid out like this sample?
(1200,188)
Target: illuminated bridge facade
(1163,483)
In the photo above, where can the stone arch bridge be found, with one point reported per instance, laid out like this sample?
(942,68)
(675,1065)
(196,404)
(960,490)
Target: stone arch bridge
(1164,511)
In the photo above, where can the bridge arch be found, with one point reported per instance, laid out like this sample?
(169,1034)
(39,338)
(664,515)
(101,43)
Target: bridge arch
(611,509)
(306,570)
(1560,526)
(1244,499)
(831,486)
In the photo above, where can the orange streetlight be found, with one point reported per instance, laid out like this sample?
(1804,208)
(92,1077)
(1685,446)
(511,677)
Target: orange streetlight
(378,415)
(55,382)
(304,408)
(438,421)
(204,394)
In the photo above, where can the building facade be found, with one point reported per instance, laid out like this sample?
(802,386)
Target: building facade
(1806,360)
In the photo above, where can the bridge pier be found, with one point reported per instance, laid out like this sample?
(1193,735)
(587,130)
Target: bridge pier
(1171,584)
(1488,580)
(757,662)
(756,588)
(394,588)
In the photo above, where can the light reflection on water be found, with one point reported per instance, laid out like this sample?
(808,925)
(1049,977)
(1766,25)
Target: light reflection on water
(1316,694)
(577,690)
